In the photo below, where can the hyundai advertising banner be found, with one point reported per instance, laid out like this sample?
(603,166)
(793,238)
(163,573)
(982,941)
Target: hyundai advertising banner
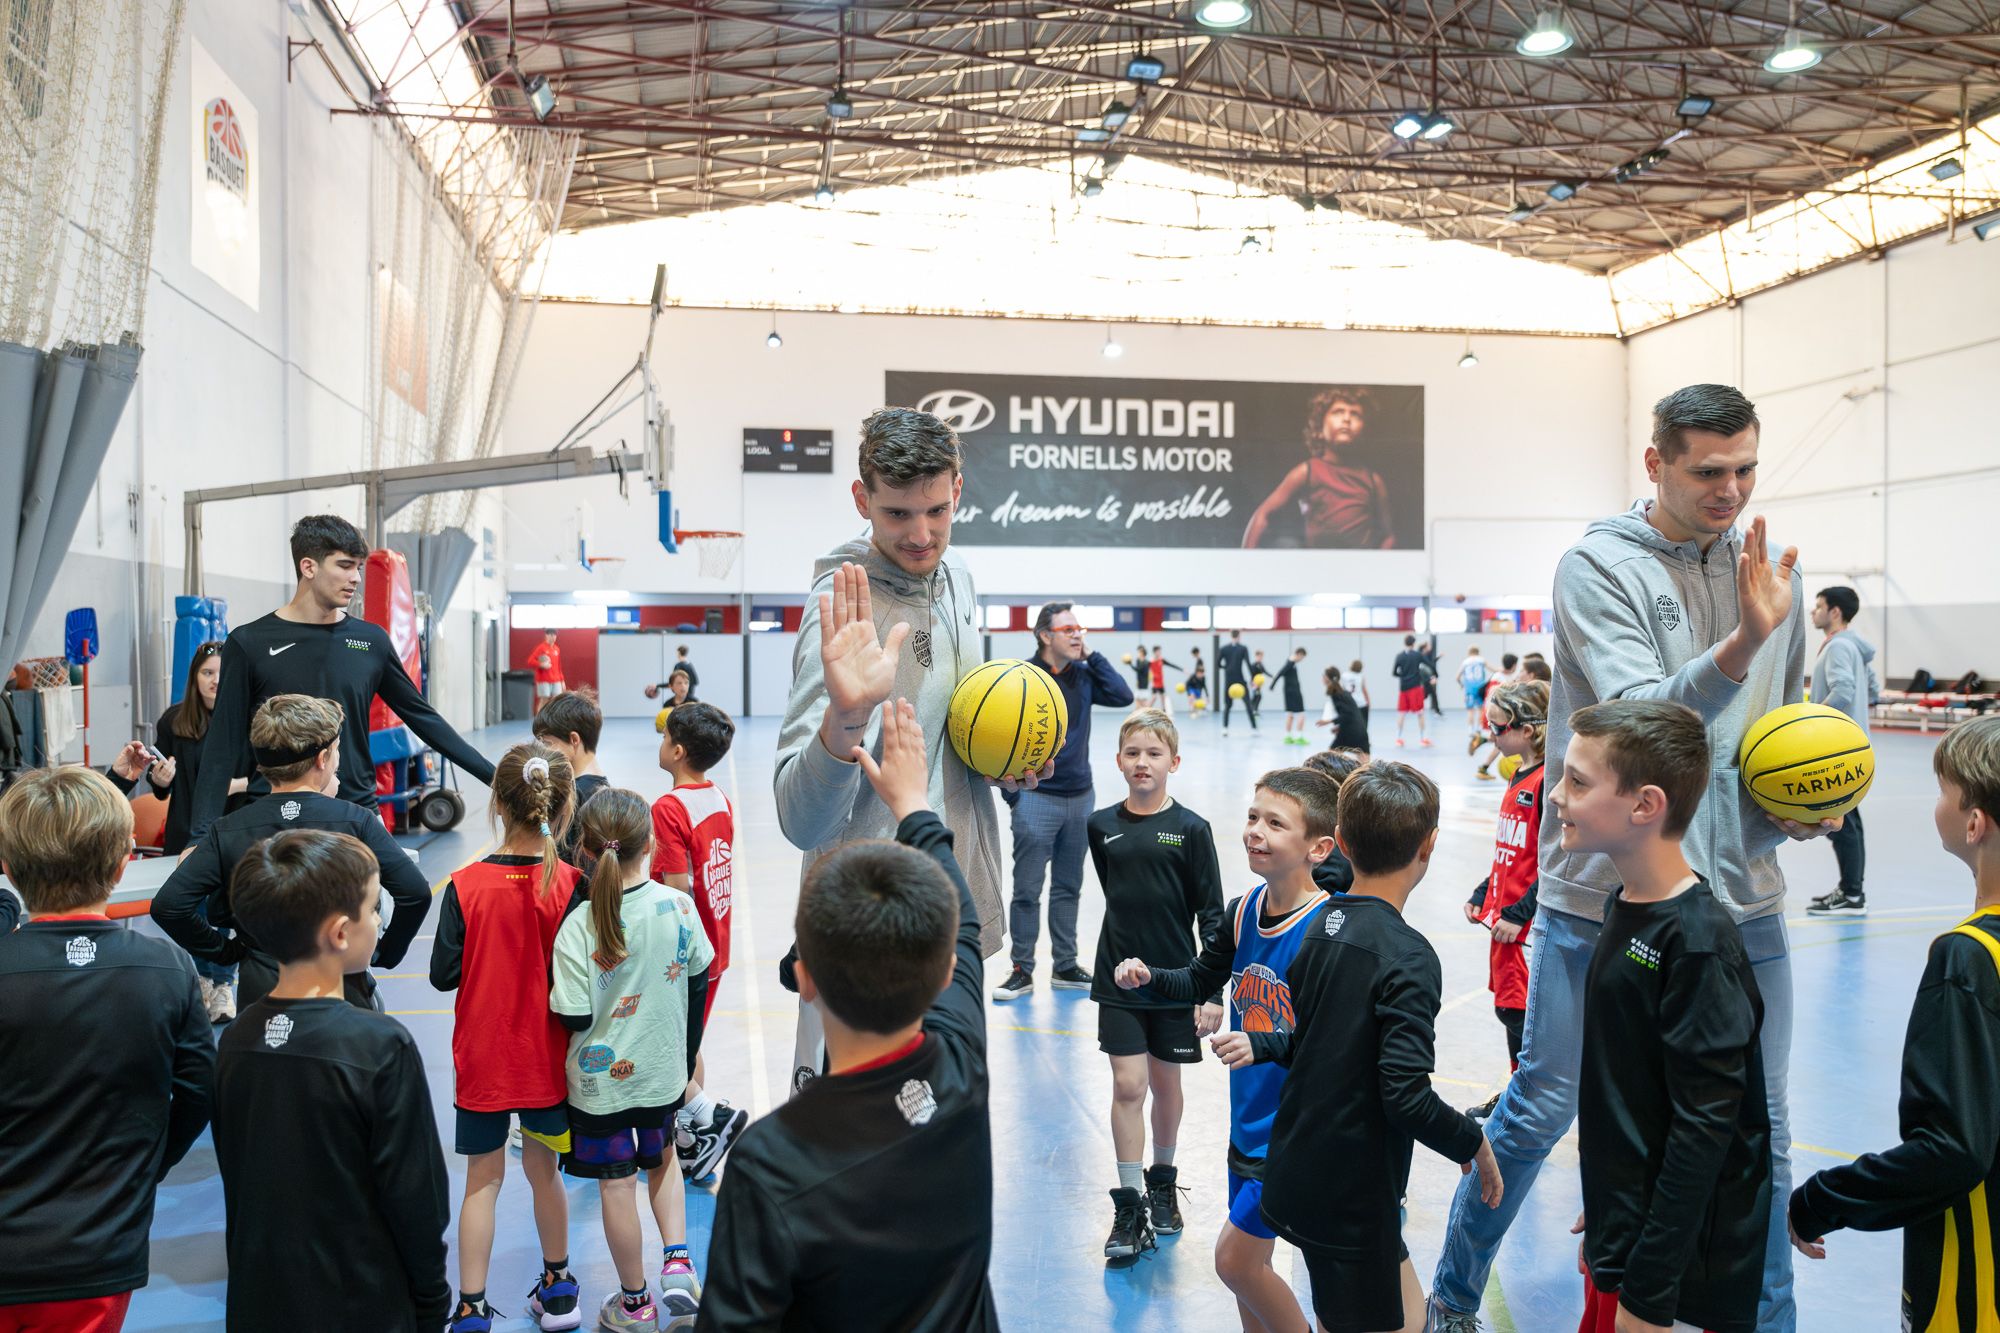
(1076,461)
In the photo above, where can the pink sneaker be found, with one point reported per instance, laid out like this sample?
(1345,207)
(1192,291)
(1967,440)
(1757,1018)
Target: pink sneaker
(1426,742)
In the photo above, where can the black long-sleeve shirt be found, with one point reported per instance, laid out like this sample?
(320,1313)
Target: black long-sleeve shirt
(203,879)
(1366,986)
(1160,877)
(1672,1125)
(866,1201)
(333,1179)
(108,1054)
(179,794)
(1949,1117)
(350,661)
(1232,660)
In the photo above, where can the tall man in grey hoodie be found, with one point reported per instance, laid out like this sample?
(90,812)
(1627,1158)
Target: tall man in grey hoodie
(1843,677)
(893,615)
(1670,600)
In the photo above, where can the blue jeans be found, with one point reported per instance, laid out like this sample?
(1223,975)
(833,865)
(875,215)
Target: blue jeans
(1050,837)
(1539,1105)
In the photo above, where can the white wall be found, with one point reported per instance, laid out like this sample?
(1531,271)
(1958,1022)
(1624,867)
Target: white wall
(1881,448)
(1551,409)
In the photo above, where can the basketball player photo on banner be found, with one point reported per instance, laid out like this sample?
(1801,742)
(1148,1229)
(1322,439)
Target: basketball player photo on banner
(223,239)
(1078,461)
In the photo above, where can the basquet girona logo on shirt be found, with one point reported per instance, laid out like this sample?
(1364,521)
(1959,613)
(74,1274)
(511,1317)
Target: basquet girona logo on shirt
(718,872)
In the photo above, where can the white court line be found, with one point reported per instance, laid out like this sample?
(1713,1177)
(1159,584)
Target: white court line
(743,930)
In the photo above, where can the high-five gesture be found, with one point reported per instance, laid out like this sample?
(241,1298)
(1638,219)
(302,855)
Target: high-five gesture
(1763,601)
(903,778)
(858,667)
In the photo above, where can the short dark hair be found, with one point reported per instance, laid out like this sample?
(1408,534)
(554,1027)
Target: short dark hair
(572,711)
(1387,809)
(704,730)
(1409,640)
(317,536)
(902,446)
(1046,618)
(1337,764)
(1652,743)
(1508,661)
(1317,795)
(286,886)
(1537,668)
(874,925)
(1719,409)
(1844,600)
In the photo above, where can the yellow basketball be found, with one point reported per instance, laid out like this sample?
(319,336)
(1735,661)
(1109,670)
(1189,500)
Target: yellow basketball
(1806,762)
(1007,718)
(1258,680)
(1180,687)
(1198,705)
(1510,764)
(1237,691)
(1126,659)
(660,720)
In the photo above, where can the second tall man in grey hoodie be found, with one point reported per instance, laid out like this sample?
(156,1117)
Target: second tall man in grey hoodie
(1673,599)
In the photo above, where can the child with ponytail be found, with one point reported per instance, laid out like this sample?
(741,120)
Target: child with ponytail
(631,975)
(1517,717)
(496,931)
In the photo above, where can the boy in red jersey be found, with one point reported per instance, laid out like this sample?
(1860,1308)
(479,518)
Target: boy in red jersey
(694,832)
(546,659)
(1504,903)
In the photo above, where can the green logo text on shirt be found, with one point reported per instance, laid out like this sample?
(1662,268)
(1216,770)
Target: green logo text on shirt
(1645,954)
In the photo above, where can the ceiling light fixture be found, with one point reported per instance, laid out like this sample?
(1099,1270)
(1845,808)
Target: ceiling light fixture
(1223,15)
(1143,68)
(1092,188)
(1791,56)
(1093,134)
(1694,106)
(840,106)
(824,194)
(1468,361)
(1112,161)
(1437,127)
(1115,115)
(1562,190)
(1251,245)
(1945,170)
(1112,349)
(1988,227)
(541,97)
(1407,126)
(1520,212)
(1547,38)
(771,339)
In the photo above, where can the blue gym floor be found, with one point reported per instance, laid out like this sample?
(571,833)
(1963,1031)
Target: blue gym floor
(1051,1087)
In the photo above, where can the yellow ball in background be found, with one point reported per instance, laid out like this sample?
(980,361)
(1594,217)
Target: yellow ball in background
(1007,718)
(1806,762)
(1126,659)
(1180,687)
(660,720)
(1237,691)
(1510,764)
(1199,705)
(1258,680)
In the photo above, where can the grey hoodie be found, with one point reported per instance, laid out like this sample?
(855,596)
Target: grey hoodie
(823,801)
(1844,676)
(1638,617)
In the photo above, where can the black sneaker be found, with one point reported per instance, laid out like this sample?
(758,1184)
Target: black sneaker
(1072,977)
(1162,1200)
(1131,1232)
(711,1141)
(1484,1110)
(1839,903)
(1018,983)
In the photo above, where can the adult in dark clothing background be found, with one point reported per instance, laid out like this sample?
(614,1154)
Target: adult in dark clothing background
(1051,821)
(1430,655)
(1233,661)
(1343,714)
(312,646)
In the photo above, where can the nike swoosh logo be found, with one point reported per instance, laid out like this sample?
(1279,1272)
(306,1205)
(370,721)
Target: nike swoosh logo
(276,651)
(1114,837)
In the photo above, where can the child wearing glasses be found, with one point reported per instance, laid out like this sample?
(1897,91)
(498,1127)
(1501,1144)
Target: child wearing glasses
(1517,719)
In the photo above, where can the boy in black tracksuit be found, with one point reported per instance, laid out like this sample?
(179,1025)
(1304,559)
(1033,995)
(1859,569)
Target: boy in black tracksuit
(1156,862)
(332,1174)
(1365,993)
(193,906)
(1672,1126)
(866,1201)
(108,1055)
(1941,1183)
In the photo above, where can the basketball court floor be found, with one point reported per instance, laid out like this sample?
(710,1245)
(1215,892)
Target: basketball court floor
(1052,1162)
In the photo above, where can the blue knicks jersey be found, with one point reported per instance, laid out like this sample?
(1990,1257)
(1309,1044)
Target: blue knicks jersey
(1260,1000)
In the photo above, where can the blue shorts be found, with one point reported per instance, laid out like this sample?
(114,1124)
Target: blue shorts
(1475,699)
(1246,1207)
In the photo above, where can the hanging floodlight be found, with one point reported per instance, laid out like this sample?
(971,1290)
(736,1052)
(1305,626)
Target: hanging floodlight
(1562,190)
(1437,127)
(1143,68)
(771,339)
(840,106)
(1222,15)
(1547,38)
(1694,106)
(1407,126)
(1251,245)
(824,194)
(1116,115)
(1092,188)
(1468,361)
(541,97)
(1112,349)
(1093,134)
(1791,56)
(1945,170)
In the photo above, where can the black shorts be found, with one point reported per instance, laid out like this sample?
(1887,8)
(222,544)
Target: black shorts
(480,1132)
(1357,1294)
(1164,1034)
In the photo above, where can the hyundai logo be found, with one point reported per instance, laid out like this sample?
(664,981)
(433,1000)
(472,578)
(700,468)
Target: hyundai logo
(960,409)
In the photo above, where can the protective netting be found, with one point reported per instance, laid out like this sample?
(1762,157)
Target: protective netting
(463,214)
(83,95)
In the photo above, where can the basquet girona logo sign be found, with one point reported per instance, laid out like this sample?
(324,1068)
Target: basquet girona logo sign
(960,409)
(228,161)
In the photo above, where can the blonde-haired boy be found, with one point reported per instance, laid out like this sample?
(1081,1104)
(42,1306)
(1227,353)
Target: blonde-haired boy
(88,1007)
(1162,885)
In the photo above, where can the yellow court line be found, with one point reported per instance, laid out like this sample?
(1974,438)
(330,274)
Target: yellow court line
(1823,1152)
(479,855)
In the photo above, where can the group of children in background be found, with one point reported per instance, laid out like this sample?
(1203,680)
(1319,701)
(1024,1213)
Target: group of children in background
(582,996)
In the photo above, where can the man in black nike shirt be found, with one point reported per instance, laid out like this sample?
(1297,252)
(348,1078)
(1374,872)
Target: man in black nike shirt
(333,1179)
(297,745)
(311,646)
(1365,988)
(866,1201)
(1672,1125)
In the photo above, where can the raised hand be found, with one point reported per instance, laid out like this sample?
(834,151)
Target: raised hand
(902,779)
(1763,594)
(859,668)
(1132,974)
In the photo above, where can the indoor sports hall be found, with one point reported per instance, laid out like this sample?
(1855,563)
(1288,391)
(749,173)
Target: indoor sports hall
(714,374)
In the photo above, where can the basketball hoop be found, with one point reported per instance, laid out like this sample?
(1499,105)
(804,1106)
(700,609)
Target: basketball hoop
(715,549)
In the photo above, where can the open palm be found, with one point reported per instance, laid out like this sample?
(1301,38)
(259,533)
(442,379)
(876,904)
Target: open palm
(859,667)
(1763,593)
